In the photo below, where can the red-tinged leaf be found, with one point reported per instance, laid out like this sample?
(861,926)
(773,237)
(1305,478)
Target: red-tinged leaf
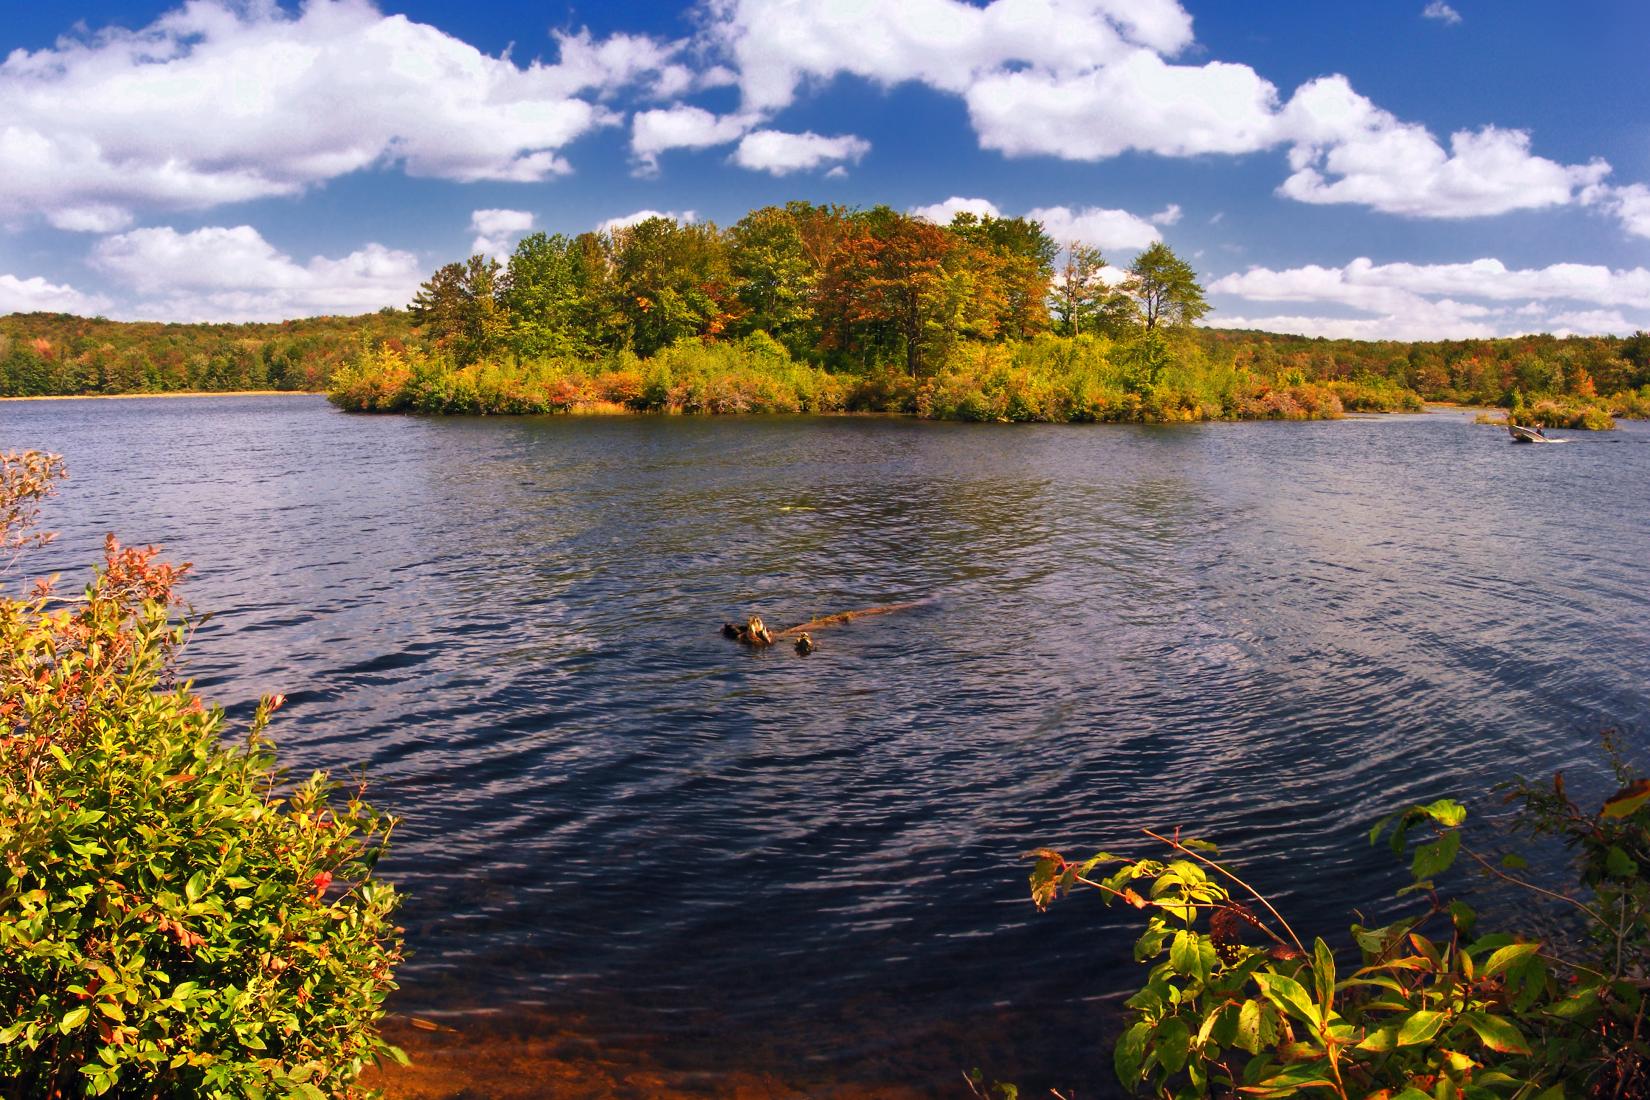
(1625,802)
(1497,1033)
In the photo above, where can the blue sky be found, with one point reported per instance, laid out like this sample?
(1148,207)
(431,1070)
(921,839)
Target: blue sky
(1399,168)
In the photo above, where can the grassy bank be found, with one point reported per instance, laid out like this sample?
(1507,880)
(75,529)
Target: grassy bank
(1046,379)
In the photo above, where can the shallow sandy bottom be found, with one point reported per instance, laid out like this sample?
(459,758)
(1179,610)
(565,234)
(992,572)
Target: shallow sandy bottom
(486,1063)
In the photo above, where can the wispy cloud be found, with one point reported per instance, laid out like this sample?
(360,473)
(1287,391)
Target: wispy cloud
(1442,12)
(496,230)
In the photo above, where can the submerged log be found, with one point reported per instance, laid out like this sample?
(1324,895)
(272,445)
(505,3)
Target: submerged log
(753,632)
(844,617)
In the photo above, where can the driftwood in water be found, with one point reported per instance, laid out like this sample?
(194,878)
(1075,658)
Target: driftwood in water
(753,632)
(843,617)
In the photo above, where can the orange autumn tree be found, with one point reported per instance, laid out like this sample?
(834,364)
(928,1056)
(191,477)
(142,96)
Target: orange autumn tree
(879,294)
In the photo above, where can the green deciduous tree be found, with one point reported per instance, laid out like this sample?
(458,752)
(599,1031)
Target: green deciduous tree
(774,278)
(543,293)
(1166,288)
(672,282)
(1085,302)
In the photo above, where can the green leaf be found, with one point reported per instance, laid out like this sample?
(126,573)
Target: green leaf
(1248,1027)
(1498,1034)
(1619,864)
(73,1018)
(1323,974)
(1185,957)
(1581,1004)
(1302,1075)
(196,886)
(1445,812)
(1290,996)
(1150,942)
(1130,1053)
(1380,1041)
(1434,858)
(1509,955)
(1173,1042)
(1420,1027)
(1463,916)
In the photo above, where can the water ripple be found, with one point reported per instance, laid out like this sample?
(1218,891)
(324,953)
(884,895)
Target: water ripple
(1269,634)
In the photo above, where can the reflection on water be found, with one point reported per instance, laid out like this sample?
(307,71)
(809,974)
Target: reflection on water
(1267,633)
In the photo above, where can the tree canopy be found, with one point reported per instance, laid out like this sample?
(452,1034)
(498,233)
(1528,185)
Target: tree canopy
(1166,289)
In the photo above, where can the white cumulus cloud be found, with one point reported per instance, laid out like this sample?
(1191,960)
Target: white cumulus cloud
(234,274)
(779,153)
(221,101)
(1095,226)
(941,213)
(1443,301)
(1138,103)
(36,295)
(1091,225)
(681,127)
(1347,150)
(1442,12)
(496,230)
(625,221)
(776,46)
(1114,78)
(1630,205)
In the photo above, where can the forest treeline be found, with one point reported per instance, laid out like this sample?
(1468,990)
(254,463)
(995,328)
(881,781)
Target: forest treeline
(45,354)
(807,307)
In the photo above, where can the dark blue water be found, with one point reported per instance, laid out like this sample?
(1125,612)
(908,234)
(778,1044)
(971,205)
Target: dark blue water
(1269,634)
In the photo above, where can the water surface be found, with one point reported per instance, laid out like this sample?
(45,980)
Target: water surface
(1269,634)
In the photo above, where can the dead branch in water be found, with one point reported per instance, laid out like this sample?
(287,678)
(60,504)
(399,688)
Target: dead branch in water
(844,617)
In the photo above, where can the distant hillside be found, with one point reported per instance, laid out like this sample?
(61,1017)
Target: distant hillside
(58,353)
(1485,371)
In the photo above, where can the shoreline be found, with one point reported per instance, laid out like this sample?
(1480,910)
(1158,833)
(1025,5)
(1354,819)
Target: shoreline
(169,393)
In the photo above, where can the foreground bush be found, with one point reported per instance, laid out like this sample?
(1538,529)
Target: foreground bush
(1433,1008)
(172,922)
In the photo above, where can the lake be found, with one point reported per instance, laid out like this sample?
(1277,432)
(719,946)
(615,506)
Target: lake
(621,827)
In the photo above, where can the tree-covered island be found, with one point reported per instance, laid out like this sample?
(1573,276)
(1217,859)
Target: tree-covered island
(820,308)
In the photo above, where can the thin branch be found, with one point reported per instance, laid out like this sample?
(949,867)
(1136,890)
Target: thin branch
(1500,874)
(1256,894)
